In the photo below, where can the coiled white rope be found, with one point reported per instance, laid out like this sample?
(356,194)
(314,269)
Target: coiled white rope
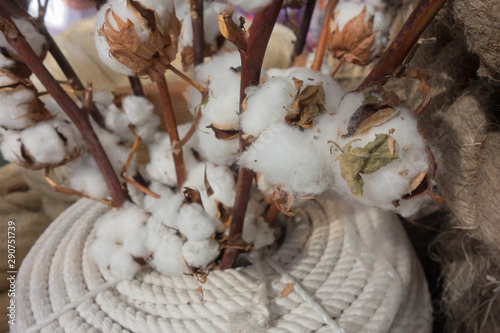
(352,268)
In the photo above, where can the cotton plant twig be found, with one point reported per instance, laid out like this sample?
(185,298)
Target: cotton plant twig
(255,43)
(79,118)
(168,113)
(136,85)
(300,42)
(203,90)
(198,32)
(403,43)
(126,176)
(323,37)
(335,70)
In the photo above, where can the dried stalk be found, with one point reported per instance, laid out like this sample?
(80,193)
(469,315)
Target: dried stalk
(136,85)
(403,43)
(300,42)
(198,32)
(341,61)
(168,113)
(323,37)
(79,118)
(251,64)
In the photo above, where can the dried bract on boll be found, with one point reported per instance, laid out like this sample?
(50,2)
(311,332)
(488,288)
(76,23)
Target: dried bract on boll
(358,33)
(137,38)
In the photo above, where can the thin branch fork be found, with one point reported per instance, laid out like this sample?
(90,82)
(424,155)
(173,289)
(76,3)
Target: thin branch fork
(79,118)
(234,33)
(323,37)
(251,63)
(300,42)
(408,35)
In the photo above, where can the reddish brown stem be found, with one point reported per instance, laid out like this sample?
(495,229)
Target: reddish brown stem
(198,31)
(402,44)
(251,64)
(323,37)
(168,113)
(272,213)
(79,118)
(136,85)
(191,130)
(300,42)
(341,61)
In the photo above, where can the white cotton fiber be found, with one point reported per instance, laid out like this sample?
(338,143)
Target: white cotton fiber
(200,253)
(157,233)
(264,236)
(167,257)
(166,210)
(161,166)
(101,251)
(15,108)
(122,265)
(139,112)
(196,224)
(10,146)
(43,143)
(251,5)
(162,190)
(86,177)
(117,122)
(36,40)
(5,63)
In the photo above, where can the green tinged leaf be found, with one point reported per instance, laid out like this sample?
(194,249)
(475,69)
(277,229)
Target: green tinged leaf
(368,97)
(375,155)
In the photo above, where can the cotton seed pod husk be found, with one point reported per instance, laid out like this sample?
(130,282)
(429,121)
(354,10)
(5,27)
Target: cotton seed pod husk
(148,57)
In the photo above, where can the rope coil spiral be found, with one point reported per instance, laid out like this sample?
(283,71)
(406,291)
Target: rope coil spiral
(353,266)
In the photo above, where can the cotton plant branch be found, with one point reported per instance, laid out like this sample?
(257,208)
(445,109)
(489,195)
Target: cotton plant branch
(403,43)
(323,37)
(168,113)
(253,46)
(79,118)
(136,85)
(300,42)
(198,31)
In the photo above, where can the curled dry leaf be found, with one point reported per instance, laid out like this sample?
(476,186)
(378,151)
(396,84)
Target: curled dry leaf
(366,160)
(234,33)
(281,199)
(224,133)
(309,103)
(355,41)
(191,195)
(143,57)
(423,76)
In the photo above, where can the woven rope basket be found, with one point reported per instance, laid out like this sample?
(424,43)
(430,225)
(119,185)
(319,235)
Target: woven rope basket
(353,270)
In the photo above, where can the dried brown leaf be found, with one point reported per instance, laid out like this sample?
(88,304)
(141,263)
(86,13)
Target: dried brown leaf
(208,188)
(191,195)
(309,103)
(224,132)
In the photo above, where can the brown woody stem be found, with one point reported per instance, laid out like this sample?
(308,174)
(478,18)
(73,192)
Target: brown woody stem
(79,118)
(136,85)
(300,42)
(341,61)
(251,64)
(402,44)
(189,80)
(168,113)
(198,31)
(323,37)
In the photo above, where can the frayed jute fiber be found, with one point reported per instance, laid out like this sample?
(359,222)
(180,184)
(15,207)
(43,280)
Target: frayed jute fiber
(346,268)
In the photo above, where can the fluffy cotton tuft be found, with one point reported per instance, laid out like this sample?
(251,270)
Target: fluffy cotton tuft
(36,40)
(86,177)
(196,224)
(200,253)
(15,108)
(43,143)
(167,257)
(11,146)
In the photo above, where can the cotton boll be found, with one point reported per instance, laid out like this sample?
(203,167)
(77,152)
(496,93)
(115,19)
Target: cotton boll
(162,190)
(139,110)
(264,236)
(157,233)
(285,155)
(251,5)
(161,166)
(15,108)
(117,122)
(168,259)
(69,133)
(122,265)
(101,251)
(10,146)
(36,40)
(266,106)
(43,143)
(166,210)
(200,253)
(86,177)
(196,224)
(102,99)
(255,209)
(220,178)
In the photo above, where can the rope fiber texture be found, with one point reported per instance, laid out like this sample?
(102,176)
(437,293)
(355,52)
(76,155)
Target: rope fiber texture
(353,263)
